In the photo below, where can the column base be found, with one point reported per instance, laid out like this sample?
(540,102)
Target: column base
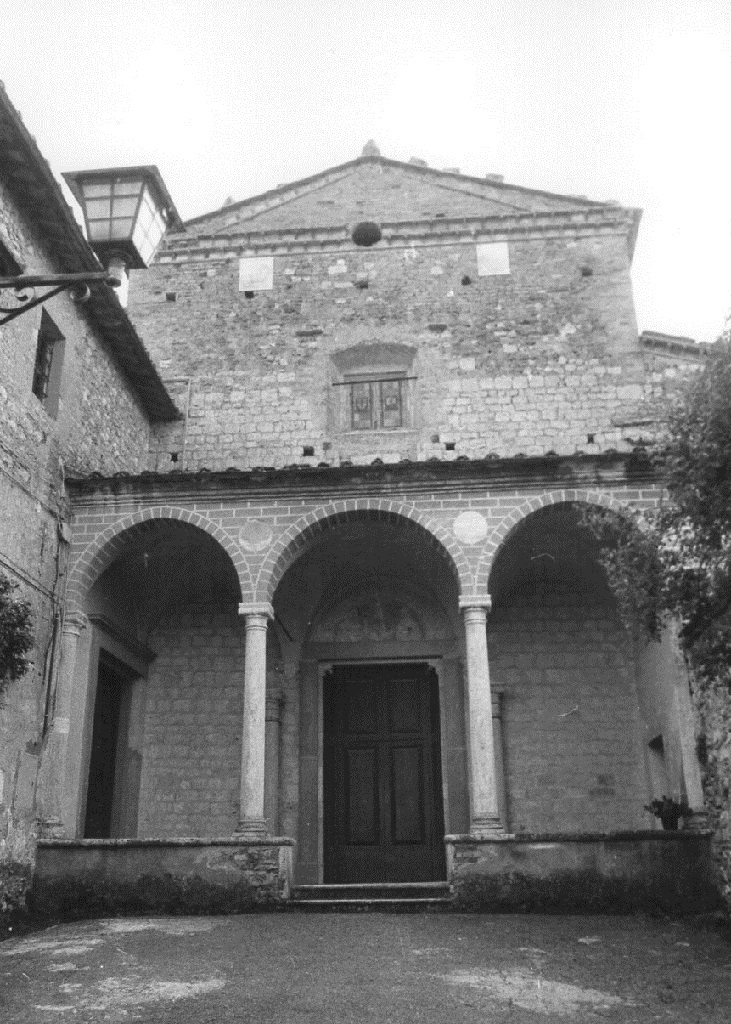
(252,828)
(697,821)
(486,826)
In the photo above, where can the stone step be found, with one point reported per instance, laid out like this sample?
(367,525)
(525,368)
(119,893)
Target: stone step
(385,896)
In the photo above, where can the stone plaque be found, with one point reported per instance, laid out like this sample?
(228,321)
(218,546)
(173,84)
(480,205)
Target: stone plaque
(256,273)
(470,527)
(493,259)
(255,535)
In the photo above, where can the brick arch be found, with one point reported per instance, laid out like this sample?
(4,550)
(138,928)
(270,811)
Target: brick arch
(502,532)
(108,545)
(301,534)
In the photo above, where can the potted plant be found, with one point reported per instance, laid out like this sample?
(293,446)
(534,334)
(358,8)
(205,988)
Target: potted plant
(669,811)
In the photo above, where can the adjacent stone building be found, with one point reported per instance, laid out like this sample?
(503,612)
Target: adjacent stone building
(342,605)
(78,394)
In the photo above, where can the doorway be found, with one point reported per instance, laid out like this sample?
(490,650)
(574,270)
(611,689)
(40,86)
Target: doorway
(107,764)
(384,817)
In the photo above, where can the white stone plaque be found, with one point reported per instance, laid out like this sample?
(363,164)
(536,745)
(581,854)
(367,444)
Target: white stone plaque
(492,259)
(256,273)
(470,527)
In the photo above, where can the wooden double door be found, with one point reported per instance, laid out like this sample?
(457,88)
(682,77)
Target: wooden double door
(384,818)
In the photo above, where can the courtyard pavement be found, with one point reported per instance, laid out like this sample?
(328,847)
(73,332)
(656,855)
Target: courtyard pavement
(435,968)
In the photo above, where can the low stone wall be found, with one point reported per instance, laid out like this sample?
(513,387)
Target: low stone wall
(96,877)
(616,873)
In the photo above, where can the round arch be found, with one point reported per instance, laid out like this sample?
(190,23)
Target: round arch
(102,551)
(502,532)
(305,531)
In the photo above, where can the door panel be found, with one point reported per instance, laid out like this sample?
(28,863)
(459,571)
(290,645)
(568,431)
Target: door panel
(382,774)
(407,803)
(361,787)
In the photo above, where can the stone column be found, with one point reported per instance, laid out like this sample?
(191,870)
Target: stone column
(484,814)
(252,823)
(271,759)
(57,811)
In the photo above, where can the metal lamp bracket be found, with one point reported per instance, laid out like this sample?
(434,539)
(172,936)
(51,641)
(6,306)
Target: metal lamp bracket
(25,296)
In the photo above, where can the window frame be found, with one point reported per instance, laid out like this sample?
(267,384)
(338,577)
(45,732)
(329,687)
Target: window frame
(378,414)
(48,364)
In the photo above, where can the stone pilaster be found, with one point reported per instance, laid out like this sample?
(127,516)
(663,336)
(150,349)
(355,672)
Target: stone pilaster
(484,813)
(271,759)
(56,814)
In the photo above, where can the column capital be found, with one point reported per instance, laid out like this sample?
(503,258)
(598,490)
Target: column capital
(262,608)
(75,623)
(481,601)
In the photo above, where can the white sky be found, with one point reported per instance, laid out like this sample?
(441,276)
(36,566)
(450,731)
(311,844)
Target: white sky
(614,99)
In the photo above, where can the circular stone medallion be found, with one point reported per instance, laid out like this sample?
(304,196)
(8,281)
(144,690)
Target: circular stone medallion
(470,527)
(255,535)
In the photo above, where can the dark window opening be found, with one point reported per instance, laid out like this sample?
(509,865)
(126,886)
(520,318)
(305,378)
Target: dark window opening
(171,296)
(48,364)
(173,456)
(590,439)
(450,446)
(376,404)
(308,450)
(248,295)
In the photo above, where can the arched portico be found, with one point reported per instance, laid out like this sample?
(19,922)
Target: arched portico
(139,594)
(546,499)
(303,533)
(568,670)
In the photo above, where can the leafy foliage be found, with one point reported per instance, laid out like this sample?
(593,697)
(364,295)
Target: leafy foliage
(677,562)
(16,634)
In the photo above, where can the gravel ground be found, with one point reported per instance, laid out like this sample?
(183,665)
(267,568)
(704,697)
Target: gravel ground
(430,968)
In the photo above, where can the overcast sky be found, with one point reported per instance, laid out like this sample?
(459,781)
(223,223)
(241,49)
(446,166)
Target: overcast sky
(614,99)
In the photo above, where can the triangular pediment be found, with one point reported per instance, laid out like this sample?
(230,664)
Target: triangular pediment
(385,191)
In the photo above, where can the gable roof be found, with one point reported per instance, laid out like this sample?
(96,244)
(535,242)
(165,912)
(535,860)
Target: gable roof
(434,193)
(34,187)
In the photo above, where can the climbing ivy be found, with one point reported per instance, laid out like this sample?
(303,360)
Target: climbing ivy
(16,633)
(676,563)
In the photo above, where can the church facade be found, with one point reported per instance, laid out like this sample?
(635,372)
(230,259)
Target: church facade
(347,626)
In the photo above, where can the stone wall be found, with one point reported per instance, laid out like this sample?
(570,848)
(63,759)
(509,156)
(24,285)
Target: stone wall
(97,878)
(573,760)
(656,873)
(99,426)
(543,359)
(191,759)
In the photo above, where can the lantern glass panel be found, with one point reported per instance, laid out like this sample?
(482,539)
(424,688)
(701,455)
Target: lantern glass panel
(121,228)
(98,209)
(127,188)
(92,189)
(99,230)
(124,206)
